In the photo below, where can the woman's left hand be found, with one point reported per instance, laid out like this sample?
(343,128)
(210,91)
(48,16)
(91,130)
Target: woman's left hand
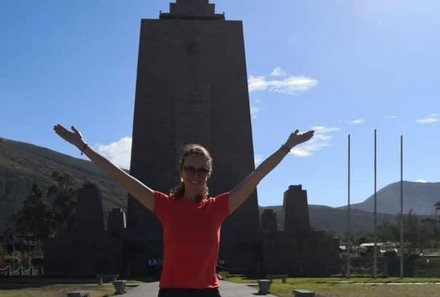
(297,138)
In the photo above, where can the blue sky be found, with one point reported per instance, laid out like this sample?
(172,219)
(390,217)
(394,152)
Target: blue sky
(339,66)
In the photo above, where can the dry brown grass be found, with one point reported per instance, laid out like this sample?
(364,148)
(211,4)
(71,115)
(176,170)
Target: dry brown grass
(60,290)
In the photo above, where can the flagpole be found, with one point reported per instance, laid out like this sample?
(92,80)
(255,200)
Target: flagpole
(347,240)
(401,206)
(375,207)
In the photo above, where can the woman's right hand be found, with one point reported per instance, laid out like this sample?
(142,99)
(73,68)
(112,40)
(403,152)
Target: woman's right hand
(132,185)
(73,137)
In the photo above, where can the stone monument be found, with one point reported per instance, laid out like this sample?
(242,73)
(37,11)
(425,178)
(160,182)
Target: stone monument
(297,250)
(191,88)
(296,211)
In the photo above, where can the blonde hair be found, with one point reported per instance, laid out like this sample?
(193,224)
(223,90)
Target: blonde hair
(192,149)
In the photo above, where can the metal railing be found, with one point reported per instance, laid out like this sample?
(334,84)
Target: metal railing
(8,270)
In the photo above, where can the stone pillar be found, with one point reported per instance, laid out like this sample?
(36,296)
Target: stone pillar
(296,211)
(192,87)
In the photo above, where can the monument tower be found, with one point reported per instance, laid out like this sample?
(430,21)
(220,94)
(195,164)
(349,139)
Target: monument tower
(191,88)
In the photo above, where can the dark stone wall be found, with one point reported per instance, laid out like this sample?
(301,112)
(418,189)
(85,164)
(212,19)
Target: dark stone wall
(269,221)
(88,249)
(73,254)
(89,211)
(297,250)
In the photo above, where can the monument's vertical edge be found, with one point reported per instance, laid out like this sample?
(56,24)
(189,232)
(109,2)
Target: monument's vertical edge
(192,87)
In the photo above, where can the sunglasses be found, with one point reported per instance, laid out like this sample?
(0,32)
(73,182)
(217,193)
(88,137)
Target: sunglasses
(190,170)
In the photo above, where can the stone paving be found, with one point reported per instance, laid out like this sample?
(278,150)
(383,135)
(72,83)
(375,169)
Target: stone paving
(227,289)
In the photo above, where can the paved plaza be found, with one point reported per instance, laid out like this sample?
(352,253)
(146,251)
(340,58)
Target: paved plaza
(227,289)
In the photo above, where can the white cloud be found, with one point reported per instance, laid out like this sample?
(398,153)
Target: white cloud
(257,83)
(302,151)
(420,181)
(320,140)
(430,119)
(277,71)
(357,121)
(281,82)
(118,152)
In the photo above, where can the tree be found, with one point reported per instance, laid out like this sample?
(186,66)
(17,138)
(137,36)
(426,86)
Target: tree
(33,218)
(48,215)
(62,197)
(412,230)
(388,232)
(416,232)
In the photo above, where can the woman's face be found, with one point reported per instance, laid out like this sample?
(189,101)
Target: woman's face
(194,172)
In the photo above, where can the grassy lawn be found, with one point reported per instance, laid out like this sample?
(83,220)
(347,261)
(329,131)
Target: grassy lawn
(354,287)
(323,287)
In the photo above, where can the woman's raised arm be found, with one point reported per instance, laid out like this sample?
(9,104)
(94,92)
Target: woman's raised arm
(242,191)
(137,189)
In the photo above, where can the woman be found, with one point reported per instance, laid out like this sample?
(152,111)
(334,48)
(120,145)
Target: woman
(191,219)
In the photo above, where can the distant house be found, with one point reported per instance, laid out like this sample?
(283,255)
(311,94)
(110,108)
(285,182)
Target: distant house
(367,248)
(383,248)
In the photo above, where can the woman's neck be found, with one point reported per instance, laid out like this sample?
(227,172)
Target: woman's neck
(192,197)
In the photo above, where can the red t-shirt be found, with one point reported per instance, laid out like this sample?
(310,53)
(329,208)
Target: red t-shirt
(191,234)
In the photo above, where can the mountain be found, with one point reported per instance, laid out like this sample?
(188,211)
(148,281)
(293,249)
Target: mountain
(417,197)
(334,220)
(23,165)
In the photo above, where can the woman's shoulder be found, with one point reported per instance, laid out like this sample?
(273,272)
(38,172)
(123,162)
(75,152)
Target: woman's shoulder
(161,196)
(219,198)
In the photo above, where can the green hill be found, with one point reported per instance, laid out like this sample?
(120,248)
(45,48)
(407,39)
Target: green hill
(22,165)
(417,197)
